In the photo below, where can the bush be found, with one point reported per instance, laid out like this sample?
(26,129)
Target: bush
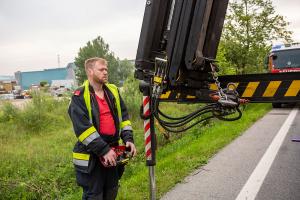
(8,112)
(42,112)
(36,148)
(132,96)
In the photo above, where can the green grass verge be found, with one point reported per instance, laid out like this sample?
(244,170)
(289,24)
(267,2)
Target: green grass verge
(38,165)
(178,158)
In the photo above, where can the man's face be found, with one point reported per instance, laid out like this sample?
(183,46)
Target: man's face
(99,73)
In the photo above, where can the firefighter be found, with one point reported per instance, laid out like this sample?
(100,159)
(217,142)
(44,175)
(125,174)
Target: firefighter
(100,119)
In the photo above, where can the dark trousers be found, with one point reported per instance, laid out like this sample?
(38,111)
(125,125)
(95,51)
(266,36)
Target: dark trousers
(100,184)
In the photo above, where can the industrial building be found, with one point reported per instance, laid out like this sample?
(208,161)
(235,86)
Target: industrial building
(55,75)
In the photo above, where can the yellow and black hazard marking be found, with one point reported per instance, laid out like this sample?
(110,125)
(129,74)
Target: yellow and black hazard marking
(272,89)
(284,87)
(179,96)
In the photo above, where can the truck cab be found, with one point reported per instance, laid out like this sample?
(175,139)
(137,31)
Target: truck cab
(284,58)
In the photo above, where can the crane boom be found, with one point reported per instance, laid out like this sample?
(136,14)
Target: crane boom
(184,36)
(175,61)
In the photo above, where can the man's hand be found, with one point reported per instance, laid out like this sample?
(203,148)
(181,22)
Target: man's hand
(132,148)
(110,158)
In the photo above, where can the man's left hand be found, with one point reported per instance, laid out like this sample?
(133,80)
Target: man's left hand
(132,148)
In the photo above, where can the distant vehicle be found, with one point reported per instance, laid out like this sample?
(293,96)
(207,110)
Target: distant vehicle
(34,87)
(26,94)
(17,92)
(283,58)
(60,91)
(6,96)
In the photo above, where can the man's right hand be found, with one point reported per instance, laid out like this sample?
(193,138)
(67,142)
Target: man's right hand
(110,158)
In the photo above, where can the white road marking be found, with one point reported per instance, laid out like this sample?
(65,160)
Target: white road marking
(257,177)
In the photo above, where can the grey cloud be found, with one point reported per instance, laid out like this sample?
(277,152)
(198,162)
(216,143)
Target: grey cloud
(33,32)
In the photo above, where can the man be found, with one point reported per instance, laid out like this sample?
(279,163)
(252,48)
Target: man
(99,119)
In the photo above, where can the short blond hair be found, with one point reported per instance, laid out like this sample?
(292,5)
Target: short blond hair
(90,63)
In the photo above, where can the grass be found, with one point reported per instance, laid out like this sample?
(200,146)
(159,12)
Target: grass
(180,157)
(35,161)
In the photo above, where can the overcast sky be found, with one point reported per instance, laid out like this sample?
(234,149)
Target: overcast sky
(34,32)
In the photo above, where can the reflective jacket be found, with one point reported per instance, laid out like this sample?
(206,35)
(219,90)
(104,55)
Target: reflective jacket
(84,113)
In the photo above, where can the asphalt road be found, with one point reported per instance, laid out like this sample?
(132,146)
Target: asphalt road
(262,164)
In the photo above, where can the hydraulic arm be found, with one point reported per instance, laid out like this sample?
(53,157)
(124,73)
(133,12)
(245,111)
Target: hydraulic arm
(176,62)
(176,58)
(184,35)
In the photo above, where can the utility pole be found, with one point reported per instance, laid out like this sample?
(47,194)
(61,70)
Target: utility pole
(58,60)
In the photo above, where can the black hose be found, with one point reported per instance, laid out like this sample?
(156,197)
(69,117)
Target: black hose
(221,117)
(185,129)
(171,123)
(181,123)
(179,118)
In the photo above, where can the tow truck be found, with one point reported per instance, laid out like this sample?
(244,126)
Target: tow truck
(175,62)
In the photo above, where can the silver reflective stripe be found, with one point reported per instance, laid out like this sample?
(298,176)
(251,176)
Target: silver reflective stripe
(127,128)
(83,163)
(91,137)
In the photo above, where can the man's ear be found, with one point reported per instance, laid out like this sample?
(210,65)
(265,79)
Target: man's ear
(89,71)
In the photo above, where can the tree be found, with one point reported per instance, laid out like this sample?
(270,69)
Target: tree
(132,96)
(225,67)
(44,83)
(125,69)
(249,29)
(118,70)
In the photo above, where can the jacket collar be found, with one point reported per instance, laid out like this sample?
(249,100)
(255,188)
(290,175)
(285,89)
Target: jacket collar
(105,88)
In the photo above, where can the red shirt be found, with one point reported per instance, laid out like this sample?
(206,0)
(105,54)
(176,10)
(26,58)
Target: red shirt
(107,124)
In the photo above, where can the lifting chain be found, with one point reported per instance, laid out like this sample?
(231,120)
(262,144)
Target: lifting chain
(227,97)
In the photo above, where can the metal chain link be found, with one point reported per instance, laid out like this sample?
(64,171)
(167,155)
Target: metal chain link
(216,79)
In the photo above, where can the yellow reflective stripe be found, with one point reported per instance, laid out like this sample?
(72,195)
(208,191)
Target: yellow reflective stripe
(87,98)
(81,156)
(114,91)
(293,89)
(190,97)
(165,96)
(272,88)
(125,123)
(251,87)
(86,133)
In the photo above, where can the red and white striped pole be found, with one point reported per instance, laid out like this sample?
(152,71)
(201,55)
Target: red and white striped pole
(147,131)
(150,142)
